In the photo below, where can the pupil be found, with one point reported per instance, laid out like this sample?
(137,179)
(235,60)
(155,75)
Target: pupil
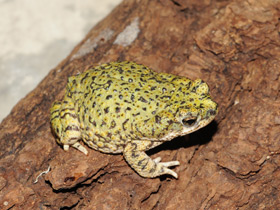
(189,122)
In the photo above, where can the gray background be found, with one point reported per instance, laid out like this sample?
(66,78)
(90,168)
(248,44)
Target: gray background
(35,35)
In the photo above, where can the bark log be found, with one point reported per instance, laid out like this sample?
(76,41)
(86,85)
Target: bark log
(231,164)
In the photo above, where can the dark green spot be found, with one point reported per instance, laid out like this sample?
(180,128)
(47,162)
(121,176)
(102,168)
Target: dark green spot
(118,109)
(106,110)
(132,97)
(108,97)
(158,119)
(143,100)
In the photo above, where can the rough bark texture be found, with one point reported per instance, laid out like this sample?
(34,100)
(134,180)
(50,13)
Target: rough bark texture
(231,164)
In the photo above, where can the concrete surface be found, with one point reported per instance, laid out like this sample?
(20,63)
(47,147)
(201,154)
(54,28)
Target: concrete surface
(36,35)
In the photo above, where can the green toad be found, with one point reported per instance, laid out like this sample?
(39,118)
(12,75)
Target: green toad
(124,107)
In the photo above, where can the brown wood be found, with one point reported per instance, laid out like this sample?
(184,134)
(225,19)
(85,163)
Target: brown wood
(231,164)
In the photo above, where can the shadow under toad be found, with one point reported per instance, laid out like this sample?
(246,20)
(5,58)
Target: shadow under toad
(200,137)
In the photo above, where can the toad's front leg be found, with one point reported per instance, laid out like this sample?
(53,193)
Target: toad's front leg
(134,154)
(65,124)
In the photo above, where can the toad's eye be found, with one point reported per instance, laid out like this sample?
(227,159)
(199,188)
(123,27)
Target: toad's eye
(189,122)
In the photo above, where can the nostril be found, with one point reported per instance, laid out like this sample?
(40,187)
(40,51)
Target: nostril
(211,112)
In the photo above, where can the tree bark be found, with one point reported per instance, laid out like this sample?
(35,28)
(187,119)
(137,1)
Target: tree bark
(231,164)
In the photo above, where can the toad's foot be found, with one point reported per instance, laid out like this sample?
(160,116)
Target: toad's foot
(164,166)
(76,145)
(143,164)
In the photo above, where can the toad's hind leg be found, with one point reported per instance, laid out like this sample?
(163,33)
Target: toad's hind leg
(134,154)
